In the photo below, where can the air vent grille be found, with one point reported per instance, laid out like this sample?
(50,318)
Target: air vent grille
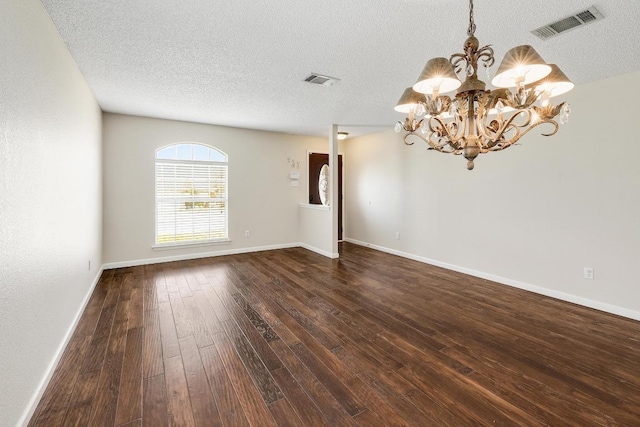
(570,22)
(321,80)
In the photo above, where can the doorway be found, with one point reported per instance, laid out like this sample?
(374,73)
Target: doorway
(316,162)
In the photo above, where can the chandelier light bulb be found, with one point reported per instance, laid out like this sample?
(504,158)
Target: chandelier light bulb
(544,98)
(535,118)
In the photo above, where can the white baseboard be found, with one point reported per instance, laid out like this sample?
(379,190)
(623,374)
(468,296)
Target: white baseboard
(42,386)
(598,305)
(319,251)
(184,257)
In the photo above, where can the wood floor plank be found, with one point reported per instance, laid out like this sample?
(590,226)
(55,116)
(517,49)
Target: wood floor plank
(154,404)
(308,413)
(77,415)
(99,341)
(229,406)
(136,308)
(160,286)
(283,414)
(205,410)
(178,401)
(218,307)
(259,341)
(251,360)
(171,277)
(289,337)
(85,387)
(334,413)
(192,281)
(183,285)
(136,423)
(52,407)
(168,334)
(130,396)
(149,295)
(327,377)
(207,314)
(181,318)
(89,320)
(104,404)
(255,408)
(152,347)
(199,324)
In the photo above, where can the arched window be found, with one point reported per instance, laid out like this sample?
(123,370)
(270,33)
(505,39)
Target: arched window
(191,194)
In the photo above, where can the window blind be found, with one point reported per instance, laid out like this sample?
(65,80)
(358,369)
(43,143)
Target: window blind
(191,201)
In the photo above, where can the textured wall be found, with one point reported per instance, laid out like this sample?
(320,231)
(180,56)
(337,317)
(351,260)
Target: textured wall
(50,199)
(537,213)
(261,198)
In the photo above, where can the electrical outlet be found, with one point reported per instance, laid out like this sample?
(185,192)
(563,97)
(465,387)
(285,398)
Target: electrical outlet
(246,233)
(398,236)
(89,265)
(588,273)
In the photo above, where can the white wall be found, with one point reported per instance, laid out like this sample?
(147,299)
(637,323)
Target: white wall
(315,228)
(261,198)
(50,201)
(533,215)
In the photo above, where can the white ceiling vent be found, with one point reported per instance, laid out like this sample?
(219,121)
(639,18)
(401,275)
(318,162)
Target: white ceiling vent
(319,79)
(570,22)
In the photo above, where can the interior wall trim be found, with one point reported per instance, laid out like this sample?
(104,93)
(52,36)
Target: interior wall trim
(319,251)
(586,302)
(44,382)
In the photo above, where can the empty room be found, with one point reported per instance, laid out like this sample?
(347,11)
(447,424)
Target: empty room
(281,213)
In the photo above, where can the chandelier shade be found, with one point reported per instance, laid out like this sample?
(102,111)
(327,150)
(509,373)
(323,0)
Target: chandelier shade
(477,120)
(438,76)
(556,83)
(521,65)
(409,101)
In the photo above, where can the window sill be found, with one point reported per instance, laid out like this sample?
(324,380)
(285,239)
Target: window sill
(190,244)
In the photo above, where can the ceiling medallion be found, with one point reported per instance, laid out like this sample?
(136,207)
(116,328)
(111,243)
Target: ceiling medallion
(477,121)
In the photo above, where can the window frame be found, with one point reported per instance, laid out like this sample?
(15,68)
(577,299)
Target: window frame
(193,162)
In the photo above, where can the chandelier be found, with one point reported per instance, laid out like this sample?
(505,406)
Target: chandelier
(477,121)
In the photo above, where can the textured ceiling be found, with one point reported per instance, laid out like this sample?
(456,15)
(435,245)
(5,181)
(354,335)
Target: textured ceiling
(241,63)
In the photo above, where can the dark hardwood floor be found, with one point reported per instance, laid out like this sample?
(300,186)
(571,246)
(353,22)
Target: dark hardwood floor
(291,338)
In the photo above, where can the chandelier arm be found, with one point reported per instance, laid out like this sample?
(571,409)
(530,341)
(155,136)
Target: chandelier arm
(516,138)
(486,55)
(508,124)
(444,132)
(456,59)
(549,121)
(441,145)
(483,137)
(405,138)
(432,145)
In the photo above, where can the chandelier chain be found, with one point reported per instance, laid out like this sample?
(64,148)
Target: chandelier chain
(472,25)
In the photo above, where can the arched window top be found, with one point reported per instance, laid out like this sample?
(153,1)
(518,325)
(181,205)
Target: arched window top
(191,151)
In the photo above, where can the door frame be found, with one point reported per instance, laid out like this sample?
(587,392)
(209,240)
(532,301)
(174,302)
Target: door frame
(344,160)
